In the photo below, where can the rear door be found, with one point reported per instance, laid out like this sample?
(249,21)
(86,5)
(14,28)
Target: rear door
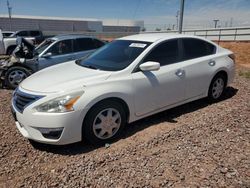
(198,60)
(61,52)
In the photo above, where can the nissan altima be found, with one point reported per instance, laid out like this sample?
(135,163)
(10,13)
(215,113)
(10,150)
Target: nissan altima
(128,79)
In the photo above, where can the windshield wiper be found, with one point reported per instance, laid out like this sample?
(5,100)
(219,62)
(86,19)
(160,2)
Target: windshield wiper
(89,66)
(78,62)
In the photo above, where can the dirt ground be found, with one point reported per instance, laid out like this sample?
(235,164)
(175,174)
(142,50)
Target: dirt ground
(194,145)
(241,50)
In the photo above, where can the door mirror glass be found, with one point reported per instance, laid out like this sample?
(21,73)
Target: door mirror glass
(150,66)
(47,55)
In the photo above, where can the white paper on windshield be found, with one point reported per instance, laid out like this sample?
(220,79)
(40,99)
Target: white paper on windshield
(138,45)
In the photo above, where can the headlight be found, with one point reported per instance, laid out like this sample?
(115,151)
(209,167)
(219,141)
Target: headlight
(60,104)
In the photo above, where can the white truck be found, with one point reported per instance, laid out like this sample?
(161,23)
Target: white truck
(8,44)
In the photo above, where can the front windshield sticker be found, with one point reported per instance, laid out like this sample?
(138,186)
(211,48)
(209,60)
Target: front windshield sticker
(138,45)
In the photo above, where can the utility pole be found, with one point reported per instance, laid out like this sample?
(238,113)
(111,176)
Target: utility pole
(231,22)
(9,11)
(177,18)
(181,15)
(215,23)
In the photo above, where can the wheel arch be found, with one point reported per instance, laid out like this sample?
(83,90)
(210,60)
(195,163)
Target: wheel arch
(10,47)
(116,99)
(223,72)
(20,65)
(220,71)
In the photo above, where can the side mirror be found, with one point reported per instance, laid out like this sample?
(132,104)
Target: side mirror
(150,66)
(47,55)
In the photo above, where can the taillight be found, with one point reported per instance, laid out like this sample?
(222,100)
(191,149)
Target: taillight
(232,56)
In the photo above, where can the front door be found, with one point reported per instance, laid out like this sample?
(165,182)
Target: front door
(60,52)
(158,89)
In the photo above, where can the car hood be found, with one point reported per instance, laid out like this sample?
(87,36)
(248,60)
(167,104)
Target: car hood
(24,49)
(62,77)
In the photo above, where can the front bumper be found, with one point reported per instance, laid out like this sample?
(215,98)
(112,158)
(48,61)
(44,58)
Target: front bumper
(28,124)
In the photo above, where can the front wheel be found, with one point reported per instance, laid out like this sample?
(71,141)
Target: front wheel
(15,75)
(217,88)
(104,122)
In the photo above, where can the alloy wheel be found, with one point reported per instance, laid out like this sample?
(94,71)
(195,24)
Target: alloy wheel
(218,87)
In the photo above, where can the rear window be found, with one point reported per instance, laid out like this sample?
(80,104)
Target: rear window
(194,48)
(23,34)
(34,33)
(83,44)
(98,43)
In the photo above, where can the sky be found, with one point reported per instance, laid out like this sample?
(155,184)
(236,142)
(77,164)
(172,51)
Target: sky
(155,13)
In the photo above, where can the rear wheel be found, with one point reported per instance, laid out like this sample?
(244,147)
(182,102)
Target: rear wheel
(217,88)
(15,75)
(104,122)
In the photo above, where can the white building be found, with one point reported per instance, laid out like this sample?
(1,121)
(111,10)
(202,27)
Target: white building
(67,25)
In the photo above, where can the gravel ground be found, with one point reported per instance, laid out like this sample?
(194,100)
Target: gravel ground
(194,145)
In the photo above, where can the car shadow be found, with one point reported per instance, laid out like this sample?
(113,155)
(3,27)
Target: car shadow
(165,116)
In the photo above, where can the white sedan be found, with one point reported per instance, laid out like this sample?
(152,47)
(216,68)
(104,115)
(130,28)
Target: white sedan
(126,80)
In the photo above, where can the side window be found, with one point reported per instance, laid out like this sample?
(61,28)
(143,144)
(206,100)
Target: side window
(61,48)
(165,53)
(98,43)
(23,34)
(83,44)
(194,48)
(34,33)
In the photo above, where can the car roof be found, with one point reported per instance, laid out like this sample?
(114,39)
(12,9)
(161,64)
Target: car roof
(8,32)
(69,36)
(153,37)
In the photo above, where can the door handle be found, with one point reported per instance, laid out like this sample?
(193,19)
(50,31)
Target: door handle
(211,62)
(180,72)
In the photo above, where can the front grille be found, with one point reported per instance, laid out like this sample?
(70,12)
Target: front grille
(21,100)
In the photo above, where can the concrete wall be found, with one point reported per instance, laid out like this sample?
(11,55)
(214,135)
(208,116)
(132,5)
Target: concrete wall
(66,25)
(121,29)
(49,25)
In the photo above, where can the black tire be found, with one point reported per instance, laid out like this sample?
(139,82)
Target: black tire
(10,50)
(12,81)
(214,96)
(92,117)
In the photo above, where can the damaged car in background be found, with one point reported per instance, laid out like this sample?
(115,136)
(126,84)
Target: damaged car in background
(26,59)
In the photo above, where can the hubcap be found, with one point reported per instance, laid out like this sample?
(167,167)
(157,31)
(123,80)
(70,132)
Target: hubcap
(218,87)
(107,123)
(16,77)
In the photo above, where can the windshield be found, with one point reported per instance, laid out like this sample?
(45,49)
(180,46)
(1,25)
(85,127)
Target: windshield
(6,34)
(43,46)
(115,56)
